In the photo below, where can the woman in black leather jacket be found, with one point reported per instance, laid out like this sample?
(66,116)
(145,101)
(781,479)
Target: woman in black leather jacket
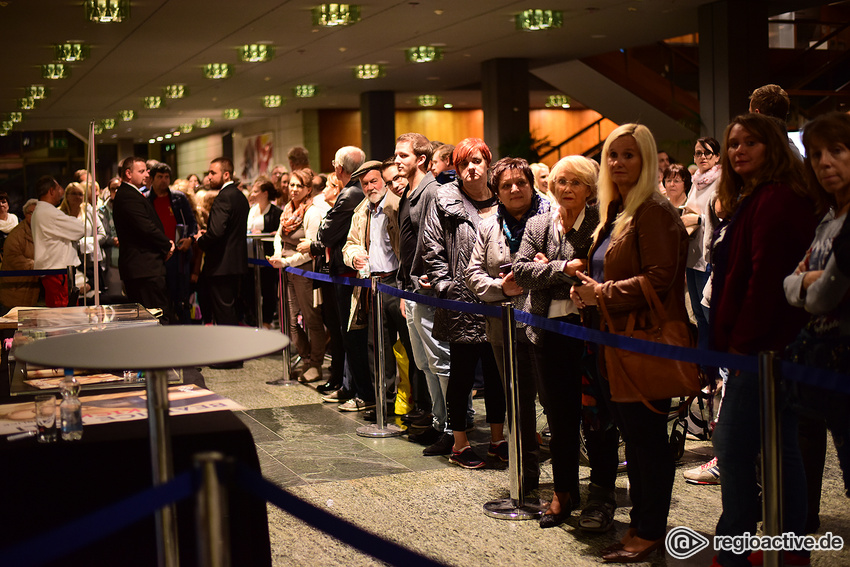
(449,234)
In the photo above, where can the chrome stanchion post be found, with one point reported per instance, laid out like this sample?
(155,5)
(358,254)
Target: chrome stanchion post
(286,379)
(771,453)
(163,470)
(380,428)
(515,507)
(258,289)
(210,511)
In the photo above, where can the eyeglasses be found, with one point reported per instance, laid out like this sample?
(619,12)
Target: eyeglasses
(700,153)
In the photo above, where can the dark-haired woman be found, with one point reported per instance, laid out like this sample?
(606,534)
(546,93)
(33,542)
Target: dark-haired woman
(264,218)
(771,218)
(704,185)
(489,275)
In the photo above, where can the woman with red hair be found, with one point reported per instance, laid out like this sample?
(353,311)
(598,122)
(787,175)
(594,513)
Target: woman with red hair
(449,235)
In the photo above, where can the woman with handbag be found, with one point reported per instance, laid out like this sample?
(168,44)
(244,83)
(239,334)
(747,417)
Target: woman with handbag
(637,275)
(771,215)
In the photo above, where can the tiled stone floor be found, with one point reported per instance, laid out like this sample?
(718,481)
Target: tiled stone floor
(387,487)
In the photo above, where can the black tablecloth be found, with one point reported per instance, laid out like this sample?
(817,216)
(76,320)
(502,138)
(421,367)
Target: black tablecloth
(109,464)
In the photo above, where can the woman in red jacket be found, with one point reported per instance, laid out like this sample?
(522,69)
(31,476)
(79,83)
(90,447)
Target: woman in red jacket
(772,215)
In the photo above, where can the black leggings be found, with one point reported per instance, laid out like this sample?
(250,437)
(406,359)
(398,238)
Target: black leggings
(463,359)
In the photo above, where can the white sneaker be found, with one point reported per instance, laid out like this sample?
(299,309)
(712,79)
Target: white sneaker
(708,473)
(356,404)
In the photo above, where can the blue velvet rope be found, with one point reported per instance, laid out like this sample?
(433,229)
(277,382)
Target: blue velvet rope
(346,532)
(822,378)
(10,273)
(79,533)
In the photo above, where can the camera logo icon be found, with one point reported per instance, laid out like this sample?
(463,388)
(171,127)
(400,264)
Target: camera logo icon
(682,542)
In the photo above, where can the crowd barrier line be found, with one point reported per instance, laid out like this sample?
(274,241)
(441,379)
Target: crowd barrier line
(93,527)
(827,379)
(75,535)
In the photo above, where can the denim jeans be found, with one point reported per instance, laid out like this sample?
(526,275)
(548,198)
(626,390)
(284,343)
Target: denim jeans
(431,355)
(696,283)
(737,442)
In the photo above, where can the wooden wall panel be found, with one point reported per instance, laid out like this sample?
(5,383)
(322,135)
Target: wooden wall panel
(448,126)
(556,125)
(337,128)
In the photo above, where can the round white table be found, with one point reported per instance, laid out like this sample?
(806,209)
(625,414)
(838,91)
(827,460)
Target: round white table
(155,349)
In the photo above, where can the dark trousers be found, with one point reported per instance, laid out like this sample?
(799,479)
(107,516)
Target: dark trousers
(150,292)
(177,280)
(395,329)
(356,345)
(330,316)
(463,358)
(223,294)
(558,361)
(528,386)
(651,466)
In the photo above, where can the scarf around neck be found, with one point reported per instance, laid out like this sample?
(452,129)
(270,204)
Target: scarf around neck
(292,218)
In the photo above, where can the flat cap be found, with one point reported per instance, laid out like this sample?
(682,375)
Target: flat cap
(366,168)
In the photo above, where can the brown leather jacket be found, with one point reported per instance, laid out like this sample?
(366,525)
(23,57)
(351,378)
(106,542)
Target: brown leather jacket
(654,245)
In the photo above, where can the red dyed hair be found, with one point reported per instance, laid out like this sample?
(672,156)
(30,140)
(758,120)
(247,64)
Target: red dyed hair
(467,147)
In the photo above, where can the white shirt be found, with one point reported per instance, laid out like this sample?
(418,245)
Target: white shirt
(53,237)
(255,218)
(381,255)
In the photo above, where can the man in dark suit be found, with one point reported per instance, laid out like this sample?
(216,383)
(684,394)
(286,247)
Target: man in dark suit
(143,243)
(224,244)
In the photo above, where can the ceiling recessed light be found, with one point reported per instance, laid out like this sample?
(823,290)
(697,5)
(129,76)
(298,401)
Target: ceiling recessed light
(217,71)
(536,20)
(272,101)
(423,54)
(231,113)
(448,105)
(159,138)
(558,101)
(108,123)
(152,102)
(55,71)
(369,71)
(256,53)
(168,136)
(152,141)
(203,122)
(186,128)
(428,100)
(15,117)
(305,91)
(69,52)
(126,115)
(26,103)
(331,15)
(107,11)
(36,92)
(175,91)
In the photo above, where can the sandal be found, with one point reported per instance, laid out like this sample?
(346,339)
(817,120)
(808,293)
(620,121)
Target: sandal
(598,515)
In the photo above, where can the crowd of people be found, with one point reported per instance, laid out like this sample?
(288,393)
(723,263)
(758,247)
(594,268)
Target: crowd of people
(748,246)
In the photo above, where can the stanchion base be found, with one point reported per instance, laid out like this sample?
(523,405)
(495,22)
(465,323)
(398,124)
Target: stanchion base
(509,509)
(374,430)
(283,382)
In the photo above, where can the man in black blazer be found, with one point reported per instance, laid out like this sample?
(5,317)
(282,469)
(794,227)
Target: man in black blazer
(142,241)
(224,243)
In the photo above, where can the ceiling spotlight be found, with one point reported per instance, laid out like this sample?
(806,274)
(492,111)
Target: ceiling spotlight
(186,128)
(26,103)
(330,15)
(108,123)
(423,54)
(126,115)
(428,100)
(203,122)
(256,53)
(231,113)
(152,141)
(272,101)
(217,71)
(36,92)
(107,11)
(167,136)
(175,91)
(70,52)
(369,71)
(152,102)
(55,71)
(304,91)
(535,20)
(448,106)
(159,138)
(558,101)
(98,129)
(15,117)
